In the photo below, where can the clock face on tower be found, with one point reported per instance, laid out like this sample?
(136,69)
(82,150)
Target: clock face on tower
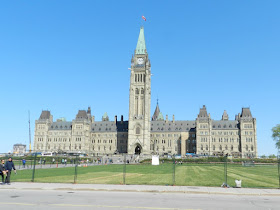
(140,60)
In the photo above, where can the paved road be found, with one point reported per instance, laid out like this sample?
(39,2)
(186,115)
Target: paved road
(64,199)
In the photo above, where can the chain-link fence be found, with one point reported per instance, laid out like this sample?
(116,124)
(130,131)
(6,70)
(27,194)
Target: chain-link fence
(137,170)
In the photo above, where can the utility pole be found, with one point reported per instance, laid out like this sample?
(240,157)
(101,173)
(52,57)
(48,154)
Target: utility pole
(29,132)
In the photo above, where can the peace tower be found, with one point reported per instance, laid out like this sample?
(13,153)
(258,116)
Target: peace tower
(139,125)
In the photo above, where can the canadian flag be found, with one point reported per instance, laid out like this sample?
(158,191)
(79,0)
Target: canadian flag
(143,17)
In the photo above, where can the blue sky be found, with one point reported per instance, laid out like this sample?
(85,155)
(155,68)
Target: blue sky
(64,56)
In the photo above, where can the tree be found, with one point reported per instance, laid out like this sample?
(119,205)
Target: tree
(276,135)
(272,156)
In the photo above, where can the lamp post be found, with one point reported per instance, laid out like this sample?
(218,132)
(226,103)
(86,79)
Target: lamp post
(278,158)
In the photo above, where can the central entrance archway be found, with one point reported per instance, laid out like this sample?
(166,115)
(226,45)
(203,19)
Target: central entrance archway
(138,150)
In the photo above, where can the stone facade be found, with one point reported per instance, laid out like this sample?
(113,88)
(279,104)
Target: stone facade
(142,134)
(19,149)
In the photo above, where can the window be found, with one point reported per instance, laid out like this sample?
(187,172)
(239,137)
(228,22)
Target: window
(138,130)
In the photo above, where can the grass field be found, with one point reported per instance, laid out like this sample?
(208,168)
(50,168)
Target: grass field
(192,174)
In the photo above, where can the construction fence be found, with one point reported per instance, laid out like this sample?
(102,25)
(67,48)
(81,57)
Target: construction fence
(134,170)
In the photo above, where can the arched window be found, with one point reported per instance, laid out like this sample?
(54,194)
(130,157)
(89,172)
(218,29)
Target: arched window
(231,148)
(206,147)
(221,148)
(214,147)
(246,147)
(142,91)
(138,130)
(201,147)
(163,148)
(252,148)
(226,147)
(137,91)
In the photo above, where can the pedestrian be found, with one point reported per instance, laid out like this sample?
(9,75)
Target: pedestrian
(44,161)
(2,170)
(23,163)
(65,161)
(62,161)
(9,166)
(53,161)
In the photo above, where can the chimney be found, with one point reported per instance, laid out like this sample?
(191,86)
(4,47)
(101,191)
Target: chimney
(116,119)
(89,110)
(121,118)
(173,119)
(166,119)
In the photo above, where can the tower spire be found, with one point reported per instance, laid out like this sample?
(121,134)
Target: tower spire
(141,45)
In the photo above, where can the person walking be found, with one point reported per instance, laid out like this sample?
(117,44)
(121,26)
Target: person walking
(2,170)
(23,162)
(9,166)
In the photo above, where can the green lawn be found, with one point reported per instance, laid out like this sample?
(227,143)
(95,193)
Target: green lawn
(190,174)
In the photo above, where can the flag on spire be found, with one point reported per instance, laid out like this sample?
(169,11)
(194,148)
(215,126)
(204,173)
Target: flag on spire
(143,17)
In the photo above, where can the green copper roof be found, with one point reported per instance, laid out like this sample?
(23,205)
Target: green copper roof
(160,116)
(141,45)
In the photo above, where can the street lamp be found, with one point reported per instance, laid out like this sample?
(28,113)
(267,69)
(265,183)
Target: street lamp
(278,158)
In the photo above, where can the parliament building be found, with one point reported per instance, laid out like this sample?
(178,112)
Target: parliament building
(143,133)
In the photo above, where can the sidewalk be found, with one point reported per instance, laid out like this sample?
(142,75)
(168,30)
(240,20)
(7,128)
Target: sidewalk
(141,188)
